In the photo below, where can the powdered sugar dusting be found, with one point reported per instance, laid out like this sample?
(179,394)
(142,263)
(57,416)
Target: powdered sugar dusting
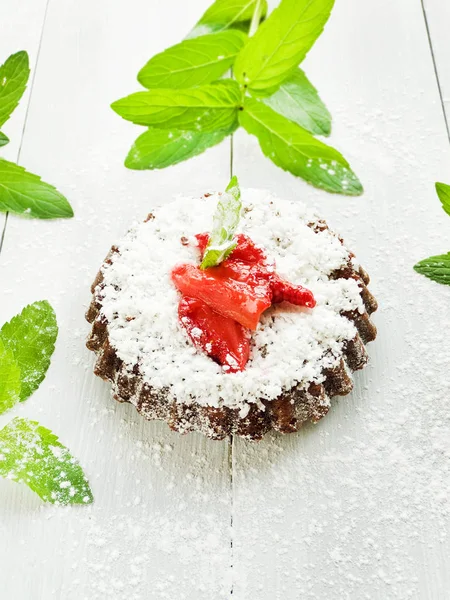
(291,346)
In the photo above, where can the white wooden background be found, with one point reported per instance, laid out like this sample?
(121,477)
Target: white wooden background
(356,507)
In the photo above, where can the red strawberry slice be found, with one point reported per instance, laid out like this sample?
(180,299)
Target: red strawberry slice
(231,298)
(284,291)
(202,242)
(246,250)
(222,338)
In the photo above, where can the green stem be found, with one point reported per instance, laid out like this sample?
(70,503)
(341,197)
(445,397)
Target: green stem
(256,18)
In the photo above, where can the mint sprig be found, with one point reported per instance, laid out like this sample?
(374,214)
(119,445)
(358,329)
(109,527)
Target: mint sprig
(193,62)
(185,96)
(281,43)
(22,192)
(294,149)
(27,195)
(204,108)
(4,139)
(160,148)
(14,75)
(31,337)
(437,267)
(443,192)
(225,221)
(10,381)
(298,100)
(228,14)
(32,454)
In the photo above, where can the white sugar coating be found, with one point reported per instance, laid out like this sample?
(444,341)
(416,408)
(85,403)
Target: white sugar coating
(291,346)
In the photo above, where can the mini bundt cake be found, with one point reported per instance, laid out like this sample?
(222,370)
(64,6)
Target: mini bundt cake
(291,362)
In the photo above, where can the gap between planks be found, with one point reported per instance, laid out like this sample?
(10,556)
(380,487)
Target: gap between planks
(33,78)
(231,441)
(436,72)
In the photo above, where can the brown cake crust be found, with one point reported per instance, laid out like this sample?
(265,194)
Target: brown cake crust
(285,414)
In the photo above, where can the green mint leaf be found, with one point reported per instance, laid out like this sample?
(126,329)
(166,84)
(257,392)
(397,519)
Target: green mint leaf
(436,268)
(25,194)
(227,14)
(160,148)
(3,139)
(443,191)
(294,149)
(192,62)
(298,100)
(32,454)
(14,75)
(9,379)
(31,337)
(225,222)
(205,108)
(281,42)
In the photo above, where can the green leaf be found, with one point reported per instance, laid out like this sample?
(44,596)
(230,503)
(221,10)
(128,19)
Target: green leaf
(160,148)
(298,100)
(25,194)
(436,268)
(225,222)
(192,62)
(14,75)
(3,139)
(32,454)
(443,191)
(31,337)
(281,42)
(227,14)
(204,108)
(294,149)
(9,379)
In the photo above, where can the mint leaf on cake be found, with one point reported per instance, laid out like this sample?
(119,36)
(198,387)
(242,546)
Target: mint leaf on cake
(32,454)
(225,221)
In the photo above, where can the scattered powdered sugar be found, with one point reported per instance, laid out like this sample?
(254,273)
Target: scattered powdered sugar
(291,346)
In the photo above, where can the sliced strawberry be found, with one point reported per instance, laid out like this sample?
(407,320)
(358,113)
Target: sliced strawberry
(202,242)
(246,250)
(284,291)
(222,338)
(230,297)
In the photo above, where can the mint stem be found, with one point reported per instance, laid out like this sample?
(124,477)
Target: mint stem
(256,18)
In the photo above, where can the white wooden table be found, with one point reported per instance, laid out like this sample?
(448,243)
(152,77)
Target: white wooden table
(356,507)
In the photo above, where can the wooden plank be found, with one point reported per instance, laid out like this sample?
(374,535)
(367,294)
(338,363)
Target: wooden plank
(356,507)
(160,525)
(21,23)
(438,18)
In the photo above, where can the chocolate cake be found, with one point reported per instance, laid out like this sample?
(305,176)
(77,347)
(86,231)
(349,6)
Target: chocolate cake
(300,357)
